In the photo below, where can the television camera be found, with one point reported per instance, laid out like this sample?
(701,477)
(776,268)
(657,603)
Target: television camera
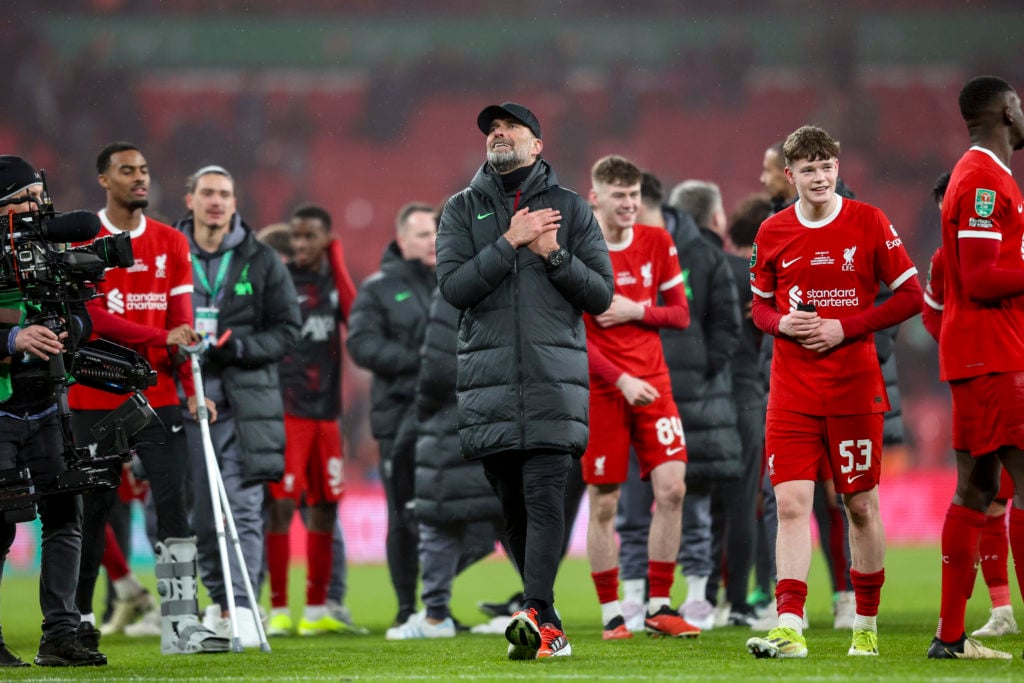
(54,280)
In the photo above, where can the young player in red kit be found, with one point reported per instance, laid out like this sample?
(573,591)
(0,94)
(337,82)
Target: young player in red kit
(815,272)
(981,345)
(311,386)
(993,543)
(148,307)
(631,398)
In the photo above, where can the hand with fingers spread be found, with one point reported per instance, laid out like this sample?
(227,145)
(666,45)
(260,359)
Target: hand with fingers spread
(526,226)
(40,341)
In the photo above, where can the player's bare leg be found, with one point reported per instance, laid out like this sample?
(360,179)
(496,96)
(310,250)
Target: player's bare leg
(603,554)
(668,482)
(793,561)
(867,559)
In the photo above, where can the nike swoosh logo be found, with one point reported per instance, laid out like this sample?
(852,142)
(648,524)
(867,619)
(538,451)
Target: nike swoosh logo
(850,480)
(672,451)
(176,428)
(787,264)
(402,296)
(481,216)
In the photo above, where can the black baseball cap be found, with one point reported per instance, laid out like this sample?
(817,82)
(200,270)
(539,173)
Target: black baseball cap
(509,109)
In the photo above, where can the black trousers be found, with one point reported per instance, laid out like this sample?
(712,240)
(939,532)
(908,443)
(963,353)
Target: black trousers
(163,454)
(734,515)
(531,488)
(37,445)
(403,538)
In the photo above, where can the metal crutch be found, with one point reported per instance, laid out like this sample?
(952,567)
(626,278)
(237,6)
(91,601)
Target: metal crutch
(222,507)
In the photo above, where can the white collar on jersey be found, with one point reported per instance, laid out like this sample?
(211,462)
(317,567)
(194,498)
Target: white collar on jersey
(992,154)
(135,234)
(824,221)
(624,244)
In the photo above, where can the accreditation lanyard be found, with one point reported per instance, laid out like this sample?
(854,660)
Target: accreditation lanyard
(222,271)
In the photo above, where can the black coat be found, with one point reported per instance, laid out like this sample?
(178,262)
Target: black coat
(698,359)
(885,342)
(748,384)
(385,332)
(261,308)
(449,488)
(523,382)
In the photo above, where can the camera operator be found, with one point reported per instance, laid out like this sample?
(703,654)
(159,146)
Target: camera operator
(30,437)
(147,307)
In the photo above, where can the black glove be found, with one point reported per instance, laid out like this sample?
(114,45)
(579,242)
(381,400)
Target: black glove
(226,354)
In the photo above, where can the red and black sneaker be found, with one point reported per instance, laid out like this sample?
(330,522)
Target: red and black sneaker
(667,622)
(616,629)
(553,642)
(523,634)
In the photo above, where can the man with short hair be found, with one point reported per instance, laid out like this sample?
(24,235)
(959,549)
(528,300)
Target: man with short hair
(815,270)
(522,258)
(147,307)
(631,399)
(981,346)
(385,332)
(314,464)
(245,298)
(31,438)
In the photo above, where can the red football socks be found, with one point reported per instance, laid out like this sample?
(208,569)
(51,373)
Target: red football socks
(113,559)
(659,578)
(277,565)
(960,534)
(868,590)
(1017,543)
(607,585)
(319,560)
(790,596)
(994,548)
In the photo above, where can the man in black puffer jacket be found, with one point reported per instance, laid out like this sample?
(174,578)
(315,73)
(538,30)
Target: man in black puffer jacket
(386,325)
(457,511)
(241,285)
(522,258)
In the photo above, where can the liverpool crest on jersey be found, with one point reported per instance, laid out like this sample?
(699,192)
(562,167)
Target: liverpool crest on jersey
(984,202)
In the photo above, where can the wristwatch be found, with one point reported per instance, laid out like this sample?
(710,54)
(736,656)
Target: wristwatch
(556,258)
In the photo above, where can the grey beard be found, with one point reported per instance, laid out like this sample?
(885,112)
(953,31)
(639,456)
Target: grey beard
(503,162)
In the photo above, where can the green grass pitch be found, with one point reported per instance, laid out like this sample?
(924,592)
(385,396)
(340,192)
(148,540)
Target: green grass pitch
(906,624)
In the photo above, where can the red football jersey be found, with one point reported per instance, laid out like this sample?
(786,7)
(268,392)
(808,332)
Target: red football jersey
(981,202)
(933,294)
(644,266)
(836,265)
(142,294)
(931,312)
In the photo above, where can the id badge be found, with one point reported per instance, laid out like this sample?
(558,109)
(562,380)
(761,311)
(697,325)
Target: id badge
(206,322)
